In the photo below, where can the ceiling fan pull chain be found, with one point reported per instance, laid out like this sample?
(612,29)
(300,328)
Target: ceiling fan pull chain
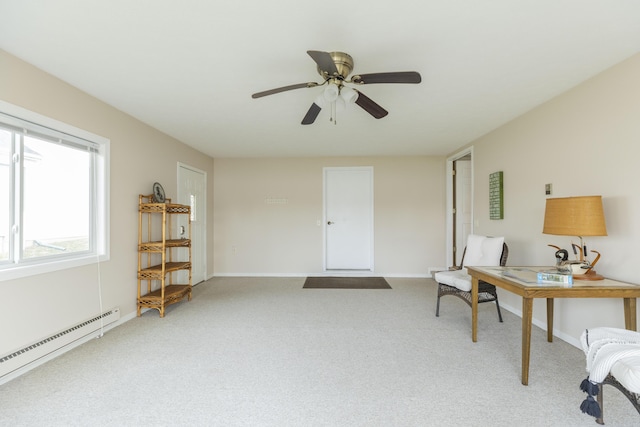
(335,112)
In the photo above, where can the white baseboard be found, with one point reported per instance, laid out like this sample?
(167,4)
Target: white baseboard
(97,334)
(542,325)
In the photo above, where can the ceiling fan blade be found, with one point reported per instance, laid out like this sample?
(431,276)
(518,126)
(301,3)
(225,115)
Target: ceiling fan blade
(370,107)
(311,115)
(324,61)
(283,89)
(397,77)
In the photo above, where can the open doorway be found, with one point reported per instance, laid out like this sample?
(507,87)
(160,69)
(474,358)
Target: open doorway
(459,204)
(192,191)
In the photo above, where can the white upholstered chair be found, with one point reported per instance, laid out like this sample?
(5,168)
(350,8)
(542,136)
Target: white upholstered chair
(479,251)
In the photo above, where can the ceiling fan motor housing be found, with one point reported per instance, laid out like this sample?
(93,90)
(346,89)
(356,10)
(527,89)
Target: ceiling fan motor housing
(344,64)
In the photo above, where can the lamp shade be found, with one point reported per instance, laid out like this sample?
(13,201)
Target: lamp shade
(575,216)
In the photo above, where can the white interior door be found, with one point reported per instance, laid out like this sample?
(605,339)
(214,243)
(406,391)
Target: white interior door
(348,218)
(192,190)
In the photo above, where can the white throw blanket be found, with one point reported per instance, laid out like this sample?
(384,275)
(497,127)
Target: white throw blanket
(606,346)
(609,349)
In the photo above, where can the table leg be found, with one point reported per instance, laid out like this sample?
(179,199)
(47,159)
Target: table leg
(527,312)
(550,319)
(474,308)
(630,314)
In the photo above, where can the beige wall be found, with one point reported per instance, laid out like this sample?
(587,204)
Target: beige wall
(38,306)
(284,239)
(584,142)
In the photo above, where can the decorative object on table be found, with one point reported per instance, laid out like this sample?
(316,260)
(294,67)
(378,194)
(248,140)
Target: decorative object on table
(496,196)
(334,68)
(158,193)
(562,255)
(576,216)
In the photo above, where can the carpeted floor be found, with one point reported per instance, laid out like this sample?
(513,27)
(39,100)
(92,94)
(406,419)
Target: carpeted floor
(346,283)
(264,352)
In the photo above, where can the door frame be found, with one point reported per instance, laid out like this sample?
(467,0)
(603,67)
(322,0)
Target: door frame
(180,166)
(325,170)
(450,225)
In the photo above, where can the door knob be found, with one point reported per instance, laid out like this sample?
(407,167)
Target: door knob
(329,222)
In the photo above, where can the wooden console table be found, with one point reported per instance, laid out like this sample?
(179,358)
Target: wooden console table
(519,281)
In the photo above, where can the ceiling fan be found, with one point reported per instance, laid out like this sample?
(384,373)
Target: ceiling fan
(335,67)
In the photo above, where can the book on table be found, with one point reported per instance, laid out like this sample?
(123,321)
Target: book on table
(557,276)
(539,275)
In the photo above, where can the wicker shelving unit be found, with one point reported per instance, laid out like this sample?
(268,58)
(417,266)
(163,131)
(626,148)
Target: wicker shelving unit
(160,255)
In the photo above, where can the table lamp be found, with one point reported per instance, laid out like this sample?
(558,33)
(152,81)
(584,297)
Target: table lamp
(577,216)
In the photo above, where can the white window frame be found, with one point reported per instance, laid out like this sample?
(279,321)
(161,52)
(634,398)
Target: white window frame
(18,116)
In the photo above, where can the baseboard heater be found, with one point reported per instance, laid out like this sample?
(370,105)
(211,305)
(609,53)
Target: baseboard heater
(37,352)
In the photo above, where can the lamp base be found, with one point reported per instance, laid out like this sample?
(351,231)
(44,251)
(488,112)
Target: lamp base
(589,275)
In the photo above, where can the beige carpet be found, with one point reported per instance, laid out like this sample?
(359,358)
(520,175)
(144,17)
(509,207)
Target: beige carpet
(265,352)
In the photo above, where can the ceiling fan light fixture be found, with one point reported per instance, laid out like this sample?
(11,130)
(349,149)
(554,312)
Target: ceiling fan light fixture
(331,93)
(320,101)
(348,95)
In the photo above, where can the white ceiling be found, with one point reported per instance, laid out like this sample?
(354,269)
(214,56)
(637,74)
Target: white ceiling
(189,67)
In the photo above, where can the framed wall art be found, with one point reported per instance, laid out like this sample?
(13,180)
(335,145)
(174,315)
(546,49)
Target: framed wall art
(496,196)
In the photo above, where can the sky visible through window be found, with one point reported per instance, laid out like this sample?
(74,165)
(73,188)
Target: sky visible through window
(56,198)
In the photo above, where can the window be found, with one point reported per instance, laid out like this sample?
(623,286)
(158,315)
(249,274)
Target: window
(53,194)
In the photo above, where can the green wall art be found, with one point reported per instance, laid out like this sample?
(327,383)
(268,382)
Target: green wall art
(496,196)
